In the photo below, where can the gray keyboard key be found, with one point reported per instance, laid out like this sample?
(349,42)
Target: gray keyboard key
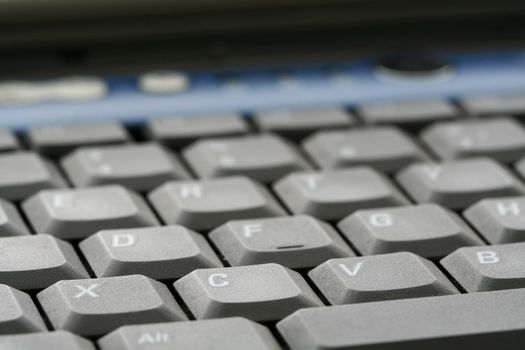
(479,269)
(49,340)
(481,321)
(520,167)
(38,261)
(494,104)
(299,123)
(293,241)
(265,292)
(18,313)
(499,220)
(427,230)
(8,141)
(25,173)
(233,333)
(118,165)
(179,131)
(56,140)
(11,223)
(91,307)
(78,213)
(379,277)
(502,139)
(203,205)
(460,183)
(333,194)
(166,252)
(407,113)
(385,149)
(263,157)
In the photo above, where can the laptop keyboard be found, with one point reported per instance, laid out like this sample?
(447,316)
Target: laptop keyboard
(236,232)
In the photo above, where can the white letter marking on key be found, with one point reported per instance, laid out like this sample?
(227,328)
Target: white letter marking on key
(123,240)
(381,219)
(311,181)
(86,291)
(218,280)
(353,272)
(505,209)
(191,190)
(155,338)
(488,257)
(347,151)
(250,229)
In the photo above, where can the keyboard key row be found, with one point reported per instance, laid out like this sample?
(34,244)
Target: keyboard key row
(269,159)
(268,292)
(37,261)
(329,195)
(178,131)
(233,333)
(481,321)
(93,307)
(265,292)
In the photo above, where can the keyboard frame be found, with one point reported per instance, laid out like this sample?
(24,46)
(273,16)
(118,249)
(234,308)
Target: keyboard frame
(245,90)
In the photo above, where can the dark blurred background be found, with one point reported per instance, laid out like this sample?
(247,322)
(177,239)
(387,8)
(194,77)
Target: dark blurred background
(70,36)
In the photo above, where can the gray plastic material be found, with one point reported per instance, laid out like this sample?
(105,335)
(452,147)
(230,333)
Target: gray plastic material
(38,261)
(479,269)
(293,241)
(334,194)
(48,340)
(264,157)
(481,321)
(8,141)
(91,307)
(140,167)
(233,333)
(204,205)
(502,139)
(265,292)
(426,229)
(25,173)
(56,140)
(166,252)
(379,277)
(407,113)
(18,313)
(11,223)
(459,183)
(499,220)
(78,213)
(386,149)
(299,123)
(179,131)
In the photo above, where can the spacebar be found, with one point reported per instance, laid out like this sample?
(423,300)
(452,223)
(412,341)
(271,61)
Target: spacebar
(489,320)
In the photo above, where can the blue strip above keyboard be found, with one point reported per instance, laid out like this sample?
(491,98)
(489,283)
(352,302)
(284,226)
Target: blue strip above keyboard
(342,84)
